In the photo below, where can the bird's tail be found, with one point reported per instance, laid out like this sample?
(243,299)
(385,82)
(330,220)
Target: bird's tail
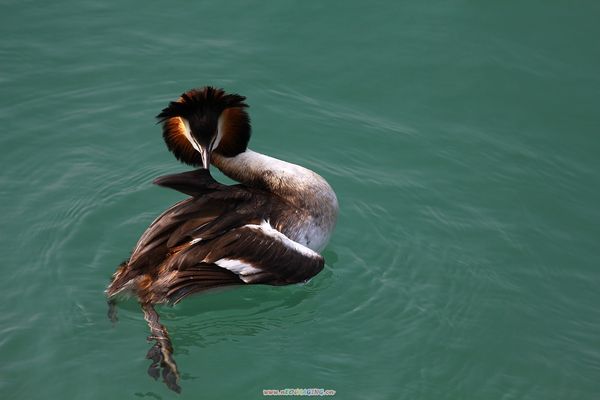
(119,280)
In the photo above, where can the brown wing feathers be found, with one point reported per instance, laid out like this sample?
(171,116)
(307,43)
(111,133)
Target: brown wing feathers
(198,278)
(275,261)
(182,249)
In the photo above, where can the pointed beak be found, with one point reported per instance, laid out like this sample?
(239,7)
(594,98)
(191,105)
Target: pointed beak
(205,154)
(204,150)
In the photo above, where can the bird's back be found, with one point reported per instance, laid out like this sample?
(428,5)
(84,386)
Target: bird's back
(222,235)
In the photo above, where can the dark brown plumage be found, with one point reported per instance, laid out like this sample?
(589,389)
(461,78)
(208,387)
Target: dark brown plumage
(266,230)
(175,256)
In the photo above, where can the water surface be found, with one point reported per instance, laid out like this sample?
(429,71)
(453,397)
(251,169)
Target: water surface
(461,138)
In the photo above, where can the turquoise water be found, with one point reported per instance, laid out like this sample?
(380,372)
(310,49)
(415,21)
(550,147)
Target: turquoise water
(461,138)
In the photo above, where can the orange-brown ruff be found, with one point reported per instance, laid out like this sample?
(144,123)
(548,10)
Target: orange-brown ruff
(269,229)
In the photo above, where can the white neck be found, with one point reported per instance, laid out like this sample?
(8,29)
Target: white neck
(312,199)
(277,176)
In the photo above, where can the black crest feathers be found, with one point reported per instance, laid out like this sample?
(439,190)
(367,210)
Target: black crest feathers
(202,100)
(199,112)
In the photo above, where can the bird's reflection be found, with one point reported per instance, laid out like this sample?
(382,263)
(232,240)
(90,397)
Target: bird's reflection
(233,314)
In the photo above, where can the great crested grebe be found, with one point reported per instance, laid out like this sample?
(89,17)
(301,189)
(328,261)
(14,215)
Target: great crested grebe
(269,229)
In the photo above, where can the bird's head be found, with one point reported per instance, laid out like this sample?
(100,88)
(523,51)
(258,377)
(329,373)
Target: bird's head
(205,120)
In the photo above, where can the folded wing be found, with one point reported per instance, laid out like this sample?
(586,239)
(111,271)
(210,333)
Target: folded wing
(219,237)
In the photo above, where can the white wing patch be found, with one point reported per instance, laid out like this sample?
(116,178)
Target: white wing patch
(238,267)
(266,228)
